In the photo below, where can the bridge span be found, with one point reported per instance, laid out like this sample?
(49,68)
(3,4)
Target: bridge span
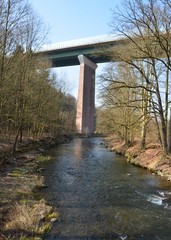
(83,52)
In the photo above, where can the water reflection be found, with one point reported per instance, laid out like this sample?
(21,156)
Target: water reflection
(77,153)
(101,196)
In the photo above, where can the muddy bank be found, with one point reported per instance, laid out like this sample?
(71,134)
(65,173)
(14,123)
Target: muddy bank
(22,212)
(152,158)
(28,149)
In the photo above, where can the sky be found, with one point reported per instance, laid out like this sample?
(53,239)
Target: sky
(74,19)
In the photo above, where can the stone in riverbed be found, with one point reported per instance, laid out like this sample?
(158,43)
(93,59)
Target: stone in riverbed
(54,220)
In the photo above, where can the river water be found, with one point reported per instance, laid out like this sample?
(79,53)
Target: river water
(101,196)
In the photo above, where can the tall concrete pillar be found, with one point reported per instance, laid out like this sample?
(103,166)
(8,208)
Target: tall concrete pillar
(85,117)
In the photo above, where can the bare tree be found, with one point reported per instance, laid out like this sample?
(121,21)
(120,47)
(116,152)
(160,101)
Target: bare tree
(145,27)
(123,99)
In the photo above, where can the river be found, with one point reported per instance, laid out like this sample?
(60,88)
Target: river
(101,196)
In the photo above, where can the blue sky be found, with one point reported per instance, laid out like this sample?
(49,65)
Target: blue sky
(73,19)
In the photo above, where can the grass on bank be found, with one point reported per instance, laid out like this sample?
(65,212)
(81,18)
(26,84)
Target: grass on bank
(26,221)
(25,218)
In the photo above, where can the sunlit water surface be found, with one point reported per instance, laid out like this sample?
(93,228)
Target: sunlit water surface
(101,196)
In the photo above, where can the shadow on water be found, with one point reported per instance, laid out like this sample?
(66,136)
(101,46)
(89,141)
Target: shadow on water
(101,196)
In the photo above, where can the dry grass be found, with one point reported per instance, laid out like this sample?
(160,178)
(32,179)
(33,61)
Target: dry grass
(33,219)
(30,183)
(18,188)
(27,219)
(24,238)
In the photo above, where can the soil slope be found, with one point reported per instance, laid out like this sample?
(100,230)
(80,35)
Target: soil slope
(151,158)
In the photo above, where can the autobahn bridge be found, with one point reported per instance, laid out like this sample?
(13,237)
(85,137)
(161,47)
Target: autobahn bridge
(82,52)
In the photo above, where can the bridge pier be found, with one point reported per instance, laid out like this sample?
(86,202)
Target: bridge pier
(85,116)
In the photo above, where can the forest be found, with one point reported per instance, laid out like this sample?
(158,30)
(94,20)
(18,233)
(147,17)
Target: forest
(34,102)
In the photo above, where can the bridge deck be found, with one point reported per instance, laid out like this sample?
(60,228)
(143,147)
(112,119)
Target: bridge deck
(66,53)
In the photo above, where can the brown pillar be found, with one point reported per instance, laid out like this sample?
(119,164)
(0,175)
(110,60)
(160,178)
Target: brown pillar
(85,118)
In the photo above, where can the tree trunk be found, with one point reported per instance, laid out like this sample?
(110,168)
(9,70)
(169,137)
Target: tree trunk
(157,124)
(169,134)
(21,134)
(15,142)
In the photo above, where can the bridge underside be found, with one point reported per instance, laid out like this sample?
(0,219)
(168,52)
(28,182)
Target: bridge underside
(69,57)
(73,61)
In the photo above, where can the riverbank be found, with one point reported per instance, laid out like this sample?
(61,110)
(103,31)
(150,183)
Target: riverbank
(151,158)
(23,215)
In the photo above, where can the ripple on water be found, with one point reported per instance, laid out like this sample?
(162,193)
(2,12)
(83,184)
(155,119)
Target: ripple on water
(101,196)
